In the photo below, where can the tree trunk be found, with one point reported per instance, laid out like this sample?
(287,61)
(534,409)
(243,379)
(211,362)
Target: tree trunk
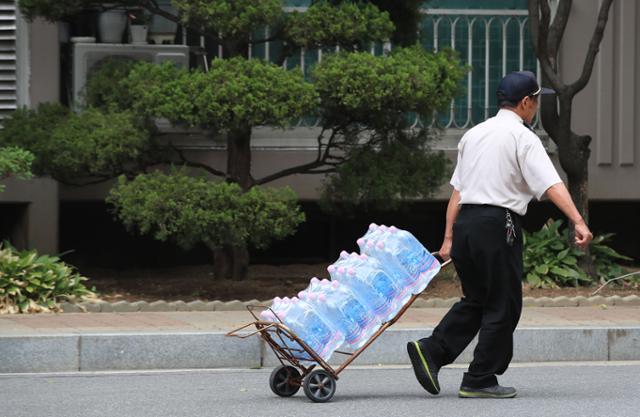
(231,262)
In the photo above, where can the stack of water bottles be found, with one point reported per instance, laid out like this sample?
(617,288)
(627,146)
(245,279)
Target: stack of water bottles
(365,291)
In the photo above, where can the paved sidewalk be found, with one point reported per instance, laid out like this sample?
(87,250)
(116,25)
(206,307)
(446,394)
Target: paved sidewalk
(180,340)
(222,321)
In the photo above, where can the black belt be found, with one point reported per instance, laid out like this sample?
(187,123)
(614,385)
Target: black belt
(488,208)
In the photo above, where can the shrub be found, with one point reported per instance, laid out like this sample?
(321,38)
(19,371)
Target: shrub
(15,161)
(192,210)
(30,282)
(69,146)
(549,260)
(105,88)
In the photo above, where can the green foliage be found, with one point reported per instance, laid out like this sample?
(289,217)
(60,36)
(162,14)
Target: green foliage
(105,88)
(30,282)
(349,25)
(605,259)
(229,18)
(379,90)
(54,10)
(550,262)
(69,145)
(97,144)
(401,169)
(191,210)
(235,92)
(15,161)
(31,129)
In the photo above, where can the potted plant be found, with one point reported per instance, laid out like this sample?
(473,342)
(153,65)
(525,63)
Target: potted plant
(138,26)
(112,24)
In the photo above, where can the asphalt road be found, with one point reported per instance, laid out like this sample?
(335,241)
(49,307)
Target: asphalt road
(573,389)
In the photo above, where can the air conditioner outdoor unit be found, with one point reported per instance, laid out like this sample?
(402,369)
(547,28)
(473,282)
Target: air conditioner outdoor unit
(87,55)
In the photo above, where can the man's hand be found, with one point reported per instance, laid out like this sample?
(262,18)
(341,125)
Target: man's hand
(445,250)
(583,235)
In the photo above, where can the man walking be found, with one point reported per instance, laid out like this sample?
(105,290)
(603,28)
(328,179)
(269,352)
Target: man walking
(501,166)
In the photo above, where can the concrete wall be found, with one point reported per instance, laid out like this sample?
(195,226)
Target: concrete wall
(38,78)
(608,108)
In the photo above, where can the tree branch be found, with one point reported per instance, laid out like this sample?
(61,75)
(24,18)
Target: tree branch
(556,31)
(594,47)
(539,37)
(194,164)
(310,167)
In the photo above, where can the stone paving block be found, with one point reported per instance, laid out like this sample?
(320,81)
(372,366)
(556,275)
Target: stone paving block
(267,302)
(167,351)
(419,303)
(543,302)
(39,353)
(235,305)
(106,307)
(179,305)
(579,300)
(159,305)
(217,305)
(139,305)
(92,307)
(68,307)
(124,307)
(613,300)
(529,302)
(562,301)
(624,344)
(593,301)
(198,305)
(431,302)
(630,300)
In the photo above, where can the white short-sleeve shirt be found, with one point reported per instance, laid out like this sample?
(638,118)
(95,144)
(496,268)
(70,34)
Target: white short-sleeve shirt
(503,163)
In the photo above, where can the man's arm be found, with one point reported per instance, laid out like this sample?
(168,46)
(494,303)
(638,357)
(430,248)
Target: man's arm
(452,213)
(560,196)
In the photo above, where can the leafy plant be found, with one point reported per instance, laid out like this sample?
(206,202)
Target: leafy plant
(31,283)
(192,210)
(70,146)
(105,88)
(549,260)
(15,161)
(605,259)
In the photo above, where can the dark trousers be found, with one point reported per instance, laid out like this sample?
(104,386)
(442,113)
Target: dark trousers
(491,275)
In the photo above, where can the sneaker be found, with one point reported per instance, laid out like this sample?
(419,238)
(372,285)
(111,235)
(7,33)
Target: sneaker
(424,368)
(495,391)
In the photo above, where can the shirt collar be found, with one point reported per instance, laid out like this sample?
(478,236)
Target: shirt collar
(509,114)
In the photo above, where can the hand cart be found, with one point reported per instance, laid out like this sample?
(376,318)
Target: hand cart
(299,362)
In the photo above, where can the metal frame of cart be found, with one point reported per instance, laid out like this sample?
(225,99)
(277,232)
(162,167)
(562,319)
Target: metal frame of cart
(294,354)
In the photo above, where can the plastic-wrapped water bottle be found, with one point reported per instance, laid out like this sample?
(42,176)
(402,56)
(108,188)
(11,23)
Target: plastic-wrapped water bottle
(373,286)
(319,334)
(401,277)
(373,233)
(339,305)
(410,253)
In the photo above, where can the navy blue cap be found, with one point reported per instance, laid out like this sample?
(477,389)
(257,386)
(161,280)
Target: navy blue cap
(519,84)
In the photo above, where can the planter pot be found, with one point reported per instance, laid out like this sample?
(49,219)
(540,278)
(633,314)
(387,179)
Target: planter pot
(139,34)
(111,26)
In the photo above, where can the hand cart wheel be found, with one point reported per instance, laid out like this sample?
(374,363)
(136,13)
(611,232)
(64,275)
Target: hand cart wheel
(285,381)
(319,386)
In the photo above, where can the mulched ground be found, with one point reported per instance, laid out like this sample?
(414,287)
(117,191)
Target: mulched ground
(196,282)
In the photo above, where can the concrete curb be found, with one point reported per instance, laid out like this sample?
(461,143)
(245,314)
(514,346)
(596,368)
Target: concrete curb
(235,305)
(192,350)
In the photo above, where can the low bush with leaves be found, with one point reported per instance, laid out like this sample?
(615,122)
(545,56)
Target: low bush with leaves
(33,283)
(191,210)
(551,262)
(15,161)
